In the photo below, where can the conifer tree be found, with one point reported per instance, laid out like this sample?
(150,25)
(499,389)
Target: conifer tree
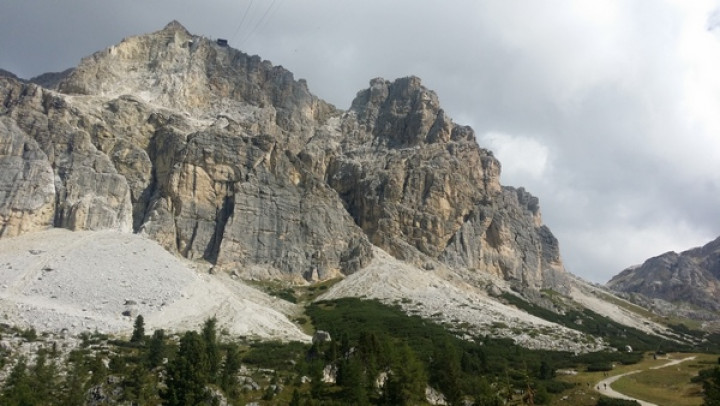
(353,381)
(447,372)
(44,378)
(316,376)
(18,390)
(230,368)
(187,375)
(137,385)
(138,334)
(407,379)
(295,401)
(98,369)
(344,345)
(157,350)
(209,335)
(711,389)
(331,354)
(75,380)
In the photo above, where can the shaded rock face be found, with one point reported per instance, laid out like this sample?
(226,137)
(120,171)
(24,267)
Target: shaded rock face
(692,277)
(223,156)
(507,238)
(58,165)
(27,183)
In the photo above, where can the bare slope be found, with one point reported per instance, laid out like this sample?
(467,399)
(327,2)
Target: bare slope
(448,300)
(85,281)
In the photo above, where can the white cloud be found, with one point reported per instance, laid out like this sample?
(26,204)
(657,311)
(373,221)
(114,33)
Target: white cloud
(520,156)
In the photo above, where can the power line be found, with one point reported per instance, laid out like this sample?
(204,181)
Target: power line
(242,20)
(259,22)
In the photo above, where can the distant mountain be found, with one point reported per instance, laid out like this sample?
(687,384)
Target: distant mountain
(8,74)
(691,277)
(50,80)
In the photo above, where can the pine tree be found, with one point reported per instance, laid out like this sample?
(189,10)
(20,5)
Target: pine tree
(353,381)
(18,390)
(447,372)
(231,365)
(75,380)
(316,376)
(138,334)
(44,378)
(711,388)
(209,335)
(331,354)
(187,375)
(407,379)
(483,392)
(295,401)
(156,349)
(546,371)
(136,385)
(98,369)
(344,345)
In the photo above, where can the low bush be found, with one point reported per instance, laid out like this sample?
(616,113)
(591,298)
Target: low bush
(599,367)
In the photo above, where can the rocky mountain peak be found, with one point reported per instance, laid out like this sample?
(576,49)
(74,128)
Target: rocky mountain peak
(174,26)
(7,74)
(410,114)
(177,70)
(222,156)
(691,277)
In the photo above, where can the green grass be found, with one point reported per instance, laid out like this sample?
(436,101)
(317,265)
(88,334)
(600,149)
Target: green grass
(664,386)
(294,293)
(668,386)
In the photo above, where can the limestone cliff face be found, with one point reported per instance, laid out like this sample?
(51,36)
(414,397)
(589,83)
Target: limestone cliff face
(507,238)
(50,160)
(27,187)
(223,156)
(691,276)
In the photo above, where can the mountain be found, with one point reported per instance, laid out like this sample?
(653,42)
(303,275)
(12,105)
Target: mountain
(222,156)
(7,74)
(232,165)
(690,277)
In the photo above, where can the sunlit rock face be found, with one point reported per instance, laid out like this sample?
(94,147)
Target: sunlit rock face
(222,156)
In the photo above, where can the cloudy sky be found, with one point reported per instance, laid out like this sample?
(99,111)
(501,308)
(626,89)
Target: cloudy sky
(608,111)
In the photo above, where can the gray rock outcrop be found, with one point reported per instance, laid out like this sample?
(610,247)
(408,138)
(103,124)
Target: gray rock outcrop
(691,277)
(27,183)
(222,156)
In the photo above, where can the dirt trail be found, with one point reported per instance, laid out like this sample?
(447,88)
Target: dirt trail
(604,386)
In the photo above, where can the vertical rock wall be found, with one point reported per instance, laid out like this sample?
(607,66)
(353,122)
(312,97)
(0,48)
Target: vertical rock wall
(222,156)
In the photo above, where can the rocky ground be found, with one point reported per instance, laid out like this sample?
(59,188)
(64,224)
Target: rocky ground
(467,309)
(100,281)
(86,281)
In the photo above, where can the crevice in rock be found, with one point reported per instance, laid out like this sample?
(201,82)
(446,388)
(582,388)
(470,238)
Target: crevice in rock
(59,216)
(142,205)
(149,194)
(191,241)
(224,212)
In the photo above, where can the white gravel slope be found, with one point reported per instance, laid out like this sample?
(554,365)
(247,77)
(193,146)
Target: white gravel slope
(591,297)
(457,303)
(84,281)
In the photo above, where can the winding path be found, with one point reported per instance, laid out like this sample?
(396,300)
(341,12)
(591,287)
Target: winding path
(604,386)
